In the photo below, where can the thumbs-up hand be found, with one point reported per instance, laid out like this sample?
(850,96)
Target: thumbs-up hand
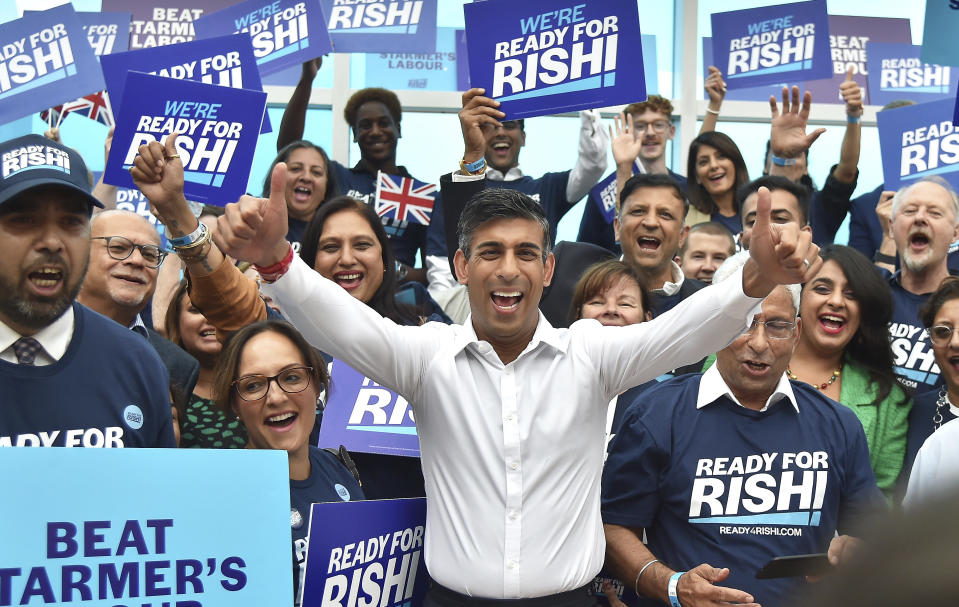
(851,93)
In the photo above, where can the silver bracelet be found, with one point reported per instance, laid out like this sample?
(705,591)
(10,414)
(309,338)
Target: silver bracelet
(640,574)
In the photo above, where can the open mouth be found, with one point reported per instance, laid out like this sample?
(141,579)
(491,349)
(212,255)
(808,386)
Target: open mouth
(919,240)
(348,280)
(46,279)
(208,333)
(282,421)
(501,148)
(136,280)
(755,368)
(718,177)
(954,363)
(832,324)
(506,301)
(648,243)
(302,193)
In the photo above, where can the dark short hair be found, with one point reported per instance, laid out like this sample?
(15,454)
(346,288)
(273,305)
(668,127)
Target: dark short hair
(375,95)
(698,196)
(652,180)
(869,347)
(654,103)
(493,204)
(773,183)
(713,228)
(600,277)
(947,290)
(228,362)
(384,298)
(284,154)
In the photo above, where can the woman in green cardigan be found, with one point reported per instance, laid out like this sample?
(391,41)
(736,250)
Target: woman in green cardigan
(844,352)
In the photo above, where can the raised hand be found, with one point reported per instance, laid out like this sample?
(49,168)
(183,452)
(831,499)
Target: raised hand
(625,143)
(884,210)
(715,87)
(787,137)
(851,93)
(158,172)
(783,254)
(254,229)
(478,111)
(696,588)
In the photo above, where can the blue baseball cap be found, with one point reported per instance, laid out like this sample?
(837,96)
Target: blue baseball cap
(33,161)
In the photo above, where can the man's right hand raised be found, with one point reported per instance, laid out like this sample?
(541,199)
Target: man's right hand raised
(478,111)
(254,229)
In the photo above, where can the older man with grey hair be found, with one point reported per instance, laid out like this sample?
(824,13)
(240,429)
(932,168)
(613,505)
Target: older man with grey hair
(923,221)
(728,469)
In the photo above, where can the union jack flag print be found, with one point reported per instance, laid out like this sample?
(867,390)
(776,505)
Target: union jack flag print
(404,198)
(95,106)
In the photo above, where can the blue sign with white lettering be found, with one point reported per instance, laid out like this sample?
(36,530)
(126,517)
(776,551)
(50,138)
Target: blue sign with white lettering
(284,32)
(541,57)
(364,416)
(369,549)
(896,72)
(917,141)
(224,61)
(939,32)
(128,537)
(770,44)
(107,32)
(45,59)
(381,26)
(218,127)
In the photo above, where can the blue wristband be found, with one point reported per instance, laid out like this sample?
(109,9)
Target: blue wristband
(473,167)
(671,589)
(782,162)
(190,238)
(853,119)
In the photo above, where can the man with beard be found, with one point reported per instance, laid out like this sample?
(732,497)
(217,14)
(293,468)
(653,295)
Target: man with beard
(923,224)
(68,376)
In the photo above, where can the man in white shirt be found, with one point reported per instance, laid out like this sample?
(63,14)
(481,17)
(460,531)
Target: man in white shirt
(510,411)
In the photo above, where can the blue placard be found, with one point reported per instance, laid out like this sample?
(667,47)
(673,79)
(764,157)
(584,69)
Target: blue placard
(45,59)
(365,416)
(134,527)
(218,126)
(770,44)
(225,61)
(542,57)
(368,549)
(604,194)
(107,32)
(381,26)
(896,72)
(939,32)
(163,22)
(284,32)
(917,141)
(462,61)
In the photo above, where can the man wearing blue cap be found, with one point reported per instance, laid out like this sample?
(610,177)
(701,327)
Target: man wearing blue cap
(68,376)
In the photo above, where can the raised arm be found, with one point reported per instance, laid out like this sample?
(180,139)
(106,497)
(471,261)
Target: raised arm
(591,160)
(228,299)
(626,147)
(716,91)
(787,134)
(294,116)
(848,167)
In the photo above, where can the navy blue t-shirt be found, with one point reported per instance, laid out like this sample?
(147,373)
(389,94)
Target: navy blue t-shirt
(734,487)
(329,481)
(406,237)
(914,362)
(734,224)
(548,190)
(109,389)
(593,227)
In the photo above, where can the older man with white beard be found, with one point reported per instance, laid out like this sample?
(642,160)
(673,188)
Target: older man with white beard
(924,221)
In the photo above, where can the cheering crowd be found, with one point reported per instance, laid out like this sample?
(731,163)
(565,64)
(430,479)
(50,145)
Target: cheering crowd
(699,384)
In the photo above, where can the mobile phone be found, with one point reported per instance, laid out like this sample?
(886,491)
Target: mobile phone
(795,566)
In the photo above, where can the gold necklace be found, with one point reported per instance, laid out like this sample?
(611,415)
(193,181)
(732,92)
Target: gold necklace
(821,387)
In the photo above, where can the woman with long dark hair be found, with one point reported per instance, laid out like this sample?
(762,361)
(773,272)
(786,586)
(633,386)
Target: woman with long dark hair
(715,169)
(309,184)
(844,352)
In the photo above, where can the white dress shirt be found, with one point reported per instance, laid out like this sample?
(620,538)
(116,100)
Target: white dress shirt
(512,454)
(54,340)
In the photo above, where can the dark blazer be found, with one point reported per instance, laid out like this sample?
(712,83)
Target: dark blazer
(183,368)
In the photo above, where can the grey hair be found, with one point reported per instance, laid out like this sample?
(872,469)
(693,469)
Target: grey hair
(737,261)
(499,203)
(903,193)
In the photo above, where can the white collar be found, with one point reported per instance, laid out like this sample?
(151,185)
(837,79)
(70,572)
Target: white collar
(54,338)
(511,175)
(712,387)
(545,333)
(671,288)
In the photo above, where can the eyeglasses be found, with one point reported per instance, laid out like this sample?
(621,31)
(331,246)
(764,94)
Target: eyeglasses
(775,329)
(255,387)
(940,335)
(659,126)
(120,248)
